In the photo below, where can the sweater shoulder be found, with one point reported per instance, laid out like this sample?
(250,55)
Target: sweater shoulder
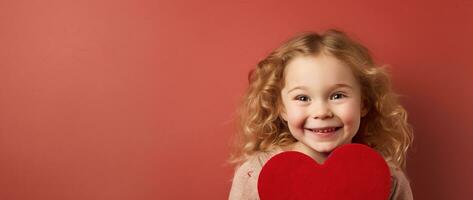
(245,179)
(400,186)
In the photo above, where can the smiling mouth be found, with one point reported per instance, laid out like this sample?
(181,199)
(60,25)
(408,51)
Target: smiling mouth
(327,130)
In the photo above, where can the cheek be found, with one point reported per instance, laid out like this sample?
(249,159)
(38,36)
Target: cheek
(295,116)
(351,116)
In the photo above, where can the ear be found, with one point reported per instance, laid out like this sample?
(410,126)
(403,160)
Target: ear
(364,110)
(281,108)
(283,114)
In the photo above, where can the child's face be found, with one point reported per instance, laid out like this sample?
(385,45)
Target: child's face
(313,100)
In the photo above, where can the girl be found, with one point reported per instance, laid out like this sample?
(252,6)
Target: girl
(313,94)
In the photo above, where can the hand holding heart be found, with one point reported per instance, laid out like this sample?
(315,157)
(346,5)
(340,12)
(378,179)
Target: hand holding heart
(352,171)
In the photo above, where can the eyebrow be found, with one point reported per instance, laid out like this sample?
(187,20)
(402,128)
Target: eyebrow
(338,85)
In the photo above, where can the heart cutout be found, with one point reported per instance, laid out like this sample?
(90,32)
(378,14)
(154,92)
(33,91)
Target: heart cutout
(352,171)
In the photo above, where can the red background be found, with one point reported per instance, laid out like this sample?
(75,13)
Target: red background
(135,99)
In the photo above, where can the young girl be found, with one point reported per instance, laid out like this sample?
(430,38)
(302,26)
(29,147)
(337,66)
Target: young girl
(313,94)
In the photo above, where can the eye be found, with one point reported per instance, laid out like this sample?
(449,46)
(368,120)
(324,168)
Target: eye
(339,95)
(302,98)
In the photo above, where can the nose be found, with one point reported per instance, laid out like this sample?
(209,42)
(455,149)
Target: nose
(320,110)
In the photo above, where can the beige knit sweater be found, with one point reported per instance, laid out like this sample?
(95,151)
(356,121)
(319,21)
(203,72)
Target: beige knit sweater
(245,179)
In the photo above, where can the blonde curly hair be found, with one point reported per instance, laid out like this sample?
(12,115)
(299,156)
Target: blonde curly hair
(261,128)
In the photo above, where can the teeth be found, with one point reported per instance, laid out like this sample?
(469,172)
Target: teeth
(324,130)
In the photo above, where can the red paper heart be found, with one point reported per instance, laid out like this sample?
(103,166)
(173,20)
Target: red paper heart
(352,171)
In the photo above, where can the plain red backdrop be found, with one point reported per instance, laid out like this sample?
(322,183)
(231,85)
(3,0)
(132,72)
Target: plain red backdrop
(136,99)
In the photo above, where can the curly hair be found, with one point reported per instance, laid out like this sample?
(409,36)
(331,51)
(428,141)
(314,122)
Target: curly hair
(261,128)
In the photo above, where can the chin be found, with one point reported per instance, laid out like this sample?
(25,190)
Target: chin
(325,148)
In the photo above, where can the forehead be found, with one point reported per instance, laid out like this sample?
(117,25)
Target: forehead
(321,71)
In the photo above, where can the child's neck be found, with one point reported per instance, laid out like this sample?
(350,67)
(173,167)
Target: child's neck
(319,157)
